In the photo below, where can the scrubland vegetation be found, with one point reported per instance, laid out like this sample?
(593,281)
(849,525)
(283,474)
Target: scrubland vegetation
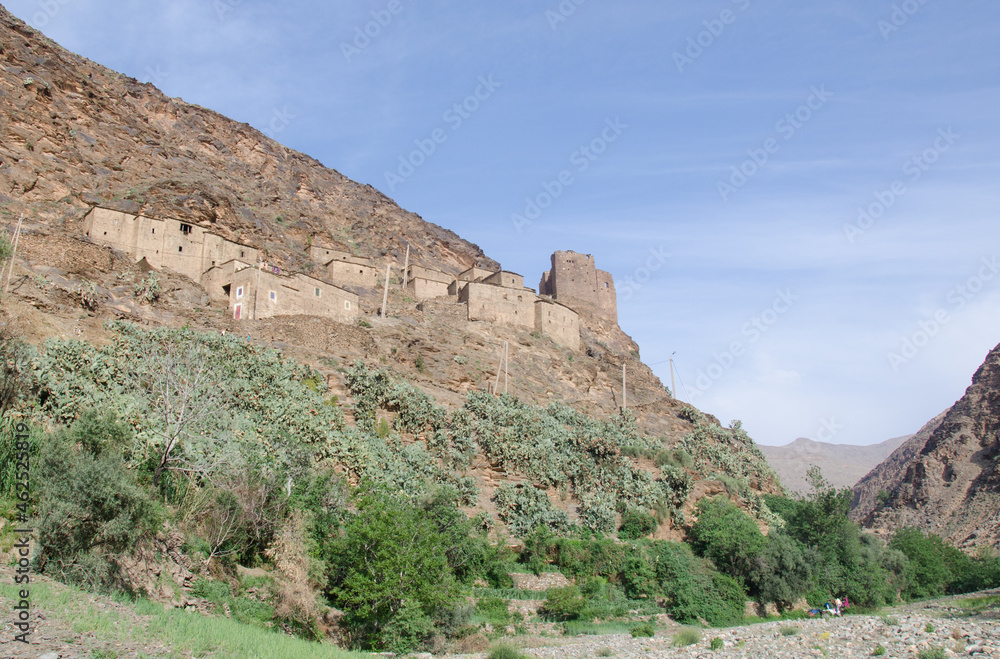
(248,456)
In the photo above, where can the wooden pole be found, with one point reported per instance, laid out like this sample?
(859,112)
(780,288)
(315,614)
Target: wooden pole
(256,289)
(496,385)
(406,267)
(673,387)
(624,390)
(13,253)
(385,295)
(506,364)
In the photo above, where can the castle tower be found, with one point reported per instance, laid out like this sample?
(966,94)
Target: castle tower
(575,279)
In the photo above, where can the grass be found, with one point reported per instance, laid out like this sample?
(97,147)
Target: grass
(183,632)
(687,636)
(716,644)
(890,621)
(879,651)
(605,652)
(643,630)
(504,651)
(577,627)
(789,630)
(979,603)
(508,593)
(931,653)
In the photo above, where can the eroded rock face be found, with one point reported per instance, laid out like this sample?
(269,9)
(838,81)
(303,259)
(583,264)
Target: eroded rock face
(74,134)
(946,480)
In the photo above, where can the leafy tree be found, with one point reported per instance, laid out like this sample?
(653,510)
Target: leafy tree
(728,536)
(934,567)
(780,573)
(693,589)
(390,572)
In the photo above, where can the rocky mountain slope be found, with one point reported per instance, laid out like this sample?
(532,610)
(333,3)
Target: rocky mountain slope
(946,479)
(74,134)
(842,465)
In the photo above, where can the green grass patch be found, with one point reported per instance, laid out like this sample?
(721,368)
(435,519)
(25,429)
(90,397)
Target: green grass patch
(185,632)
(577,627)
(789,630)
(643,630)
(687,636)
(504,651)
(508,594)
(979,603)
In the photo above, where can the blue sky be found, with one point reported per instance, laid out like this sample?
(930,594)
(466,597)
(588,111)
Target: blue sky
(621,129)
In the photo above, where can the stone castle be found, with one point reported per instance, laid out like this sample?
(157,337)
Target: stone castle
(232,272)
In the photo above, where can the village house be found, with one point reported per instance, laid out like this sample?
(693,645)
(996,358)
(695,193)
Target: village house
(232,273)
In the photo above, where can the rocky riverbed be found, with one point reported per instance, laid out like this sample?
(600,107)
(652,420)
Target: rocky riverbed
(944,627)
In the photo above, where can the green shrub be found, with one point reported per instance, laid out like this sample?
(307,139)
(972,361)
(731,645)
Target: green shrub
(643,630)
(523,508)
(687,636)
(716,644)
(495,610)
(878,651)
(636,524)
(790,630)
(504,651)
(565,603)
(728,536)
(390,573)
(933,652)
(90,507)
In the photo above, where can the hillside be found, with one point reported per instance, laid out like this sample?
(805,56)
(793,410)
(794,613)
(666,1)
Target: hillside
(842,465)
(75,136)
(946,479)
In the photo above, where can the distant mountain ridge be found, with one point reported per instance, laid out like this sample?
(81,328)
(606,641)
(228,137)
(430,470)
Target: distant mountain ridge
(842,465)
(946,479)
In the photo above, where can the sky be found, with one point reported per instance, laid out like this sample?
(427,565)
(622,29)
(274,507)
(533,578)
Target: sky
(798,200)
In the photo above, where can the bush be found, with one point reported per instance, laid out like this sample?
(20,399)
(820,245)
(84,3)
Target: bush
(728,536)
(390,573)
(562,604)
(878,651)
(636,524)
(716,644)
(90,508)
(693,589)
(790,630)
(643,630)
(933,652)
(504,651)
(686,637)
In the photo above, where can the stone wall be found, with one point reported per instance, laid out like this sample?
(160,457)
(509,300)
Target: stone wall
(558,322)
(346,273)
(426,289)
(295,295)
(505,279)
(494,304)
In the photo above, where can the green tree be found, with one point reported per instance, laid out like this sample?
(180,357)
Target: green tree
(390,573)
(728,536)
(781,573)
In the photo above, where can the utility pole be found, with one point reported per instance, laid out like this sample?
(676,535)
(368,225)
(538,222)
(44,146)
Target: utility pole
(624,391)
(673,387)
(385,295)
(406,267)
(13,253)
(506,364)
(256,289)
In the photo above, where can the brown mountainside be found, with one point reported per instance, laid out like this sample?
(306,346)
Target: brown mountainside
(74,134)
(946,479)
(842,464)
